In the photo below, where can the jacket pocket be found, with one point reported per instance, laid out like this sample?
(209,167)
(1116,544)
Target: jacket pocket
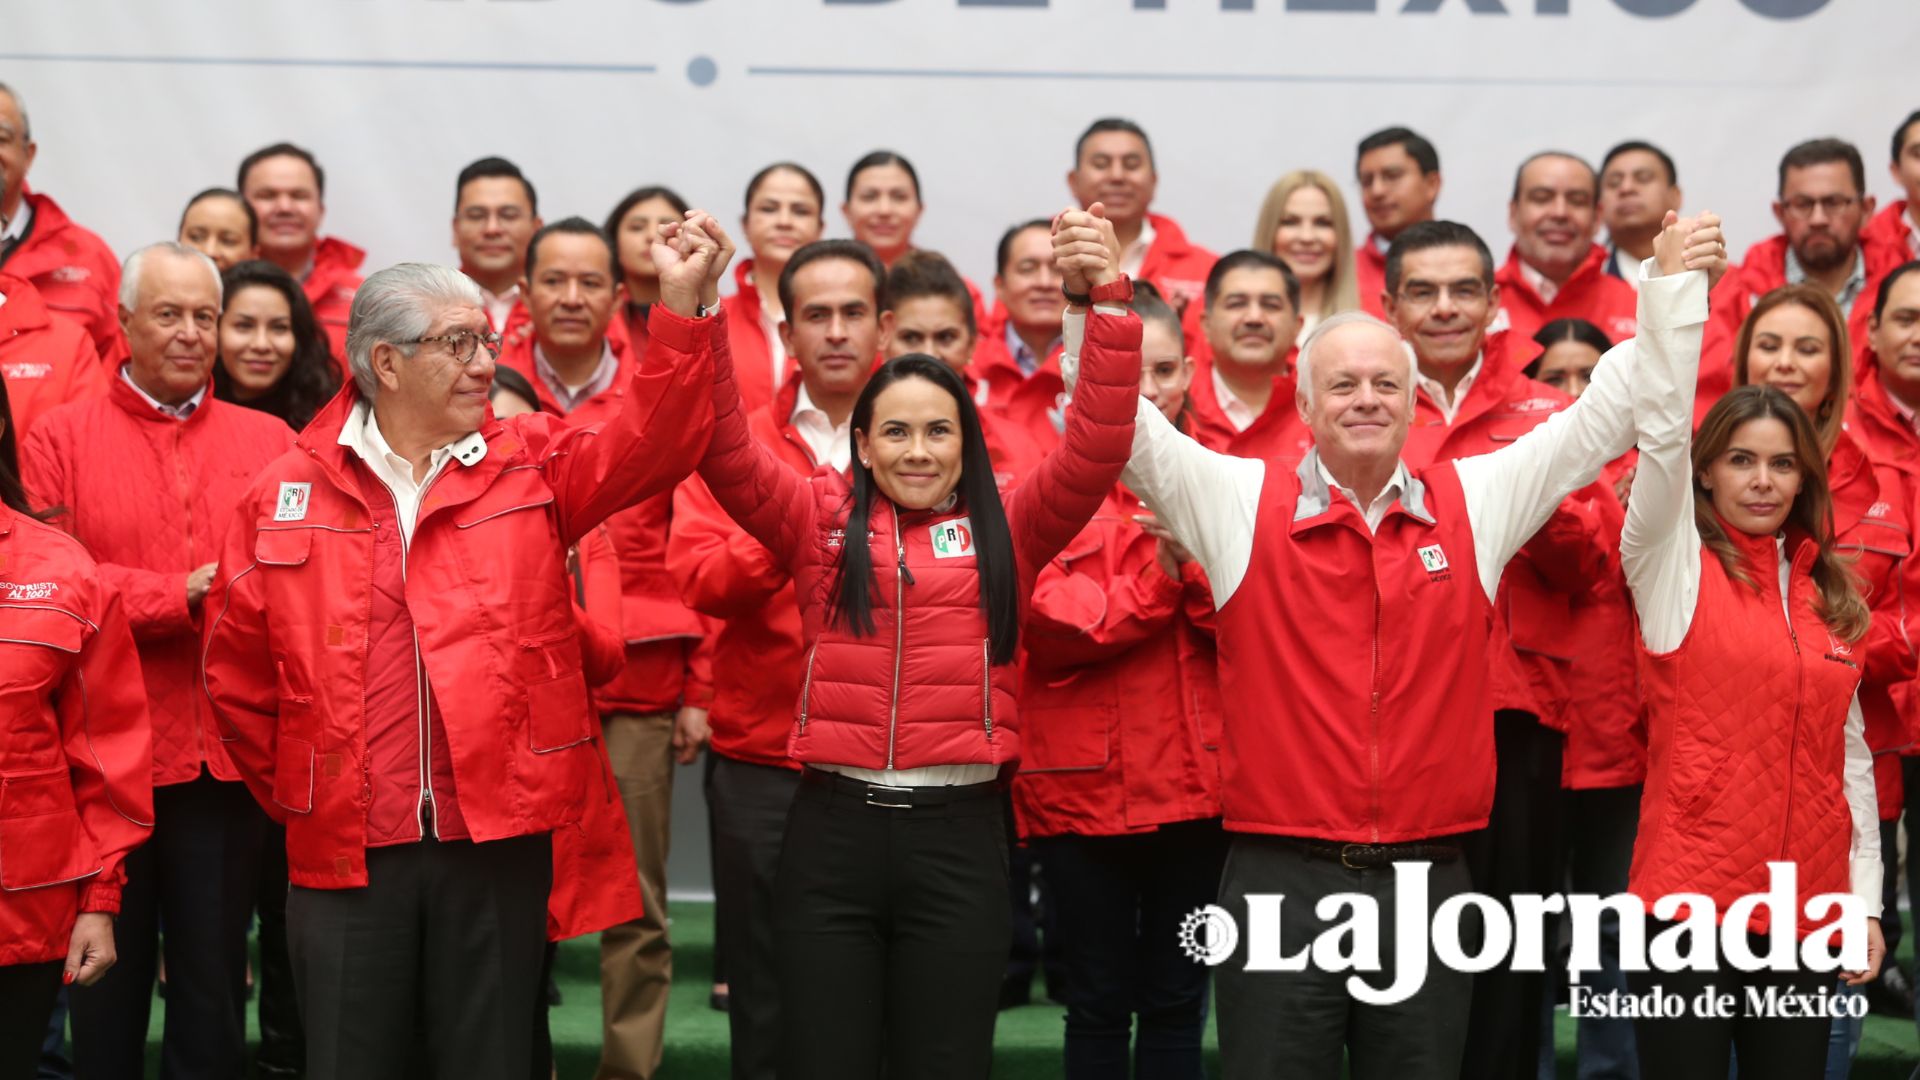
(41,841)
(1696,794)
(558,712)
(1076,738)
(293,775)
(283,547)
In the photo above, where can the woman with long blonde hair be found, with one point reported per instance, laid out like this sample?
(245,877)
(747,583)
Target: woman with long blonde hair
(1303,221)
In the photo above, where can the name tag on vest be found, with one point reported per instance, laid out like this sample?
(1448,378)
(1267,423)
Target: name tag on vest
(952,539)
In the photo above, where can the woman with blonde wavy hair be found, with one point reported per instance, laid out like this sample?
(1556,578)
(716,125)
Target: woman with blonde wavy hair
(1303,221)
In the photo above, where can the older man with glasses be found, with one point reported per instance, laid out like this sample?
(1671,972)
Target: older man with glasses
(393,659)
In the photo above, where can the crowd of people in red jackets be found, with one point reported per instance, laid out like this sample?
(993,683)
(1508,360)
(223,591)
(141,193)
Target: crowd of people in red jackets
(377,612)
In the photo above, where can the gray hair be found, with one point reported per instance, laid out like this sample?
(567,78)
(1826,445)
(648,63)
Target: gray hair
(19,106)
(1303,365)
(130,271)
(397,306)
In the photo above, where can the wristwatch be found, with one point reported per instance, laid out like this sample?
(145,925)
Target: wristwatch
(1076,299)
(1117,291)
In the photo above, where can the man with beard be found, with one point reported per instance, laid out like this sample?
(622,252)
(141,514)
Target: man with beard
(1823,209)
(1113,165)
(1555,270)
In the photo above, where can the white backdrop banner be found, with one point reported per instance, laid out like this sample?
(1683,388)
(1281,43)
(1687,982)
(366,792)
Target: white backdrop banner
(138,104)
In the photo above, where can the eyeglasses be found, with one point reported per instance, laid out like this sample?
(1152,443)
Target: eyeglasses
(462,344)
(1802,207)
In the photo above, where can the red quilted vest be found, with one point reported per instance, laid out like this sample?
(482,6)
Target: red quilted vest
(1746,739)
(1354,666)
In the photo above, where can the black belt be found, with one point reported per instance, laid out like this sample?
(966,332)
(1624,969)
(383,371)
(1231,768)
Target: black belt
(898,798)
(1373,856)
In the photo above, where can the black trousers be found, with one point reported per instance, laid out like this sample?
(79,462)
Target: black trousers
(1297,1024)
(1690,1046)
(747,807)
(1518,852)
(26,1001)
(1121,901)
(893,930)
(1596,851)
(447,936)
(194,878)
(283,1045)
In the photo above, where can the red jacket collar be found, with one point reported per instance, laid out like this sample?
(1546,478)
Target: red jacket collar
(134,404)
(48,218)
(1500,366)
(24,310)
(744,284)
(1513,276)
(333,254)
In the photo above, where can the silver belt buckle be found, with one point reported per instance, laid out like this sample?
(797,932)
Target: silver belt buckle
(876,791)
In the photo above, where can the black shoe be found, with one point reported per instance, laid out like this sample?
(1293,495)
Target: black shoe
(1892,993)
(720,1000)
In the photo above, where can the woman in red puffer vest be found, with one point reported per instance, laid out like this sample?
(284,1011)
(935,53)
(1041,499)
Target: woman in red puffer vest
(1751,628)
(892,924)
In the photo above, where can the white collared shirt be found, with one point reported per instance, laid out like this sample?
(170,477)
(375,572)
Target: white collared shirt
(361,434)
(1538,282)
(499,307)
(1449,405)
(1913,230)
(1376,511)
(1135,257)
(830,444)
(1238,413)
(16,229)
(177,412)
(572,397)
(1624,266)
(776,349)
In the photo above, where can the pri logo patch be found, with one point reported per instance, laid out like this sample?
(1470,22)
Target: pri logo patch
(952,539)
(1435,560)
(292,504)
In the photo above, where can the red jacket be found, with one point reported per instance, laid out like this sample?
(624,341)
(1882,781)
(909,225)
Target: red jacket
(330,286)
(596,882)
(1746,737)
(1370,276)
(1765,269)
(724,573)
(752,352)
(1889,439)
(1119,700)
(288,663)
(660,631)
(1175,266)
(1002,390)
(1394,743)
(1590,293)
(75,271)
(76,764)
(1277,434)
(1531,658)
(1872,522)
(933,697)
(1606,733)
(46,359)
(150,497)
(1892,227)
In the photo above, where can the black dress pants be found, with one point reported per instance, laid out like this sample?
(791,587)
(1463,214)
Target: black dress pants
(26,1000)
(447,937)
(747,806)
(194,880)
(283,1046)
(1691,1046)
(893,930)
(1518,852)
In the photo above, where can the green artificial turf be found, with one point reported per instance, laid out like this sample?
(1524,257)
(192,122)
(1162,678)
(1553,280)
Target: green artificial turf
(1026,1042)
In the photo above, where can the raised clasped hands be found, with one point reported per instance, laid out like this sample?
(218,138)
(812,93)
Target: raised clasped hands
(1694,243)
(692,255)
(1085,249)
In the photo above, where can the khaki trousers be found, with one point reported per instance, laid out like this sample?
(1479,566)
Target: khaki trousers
(636,960)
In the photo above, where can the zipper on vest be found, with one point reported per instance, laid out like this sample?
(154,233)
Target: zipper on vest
(1799,696)
(806,686)
(900,579)
(986,684)
(1373,712)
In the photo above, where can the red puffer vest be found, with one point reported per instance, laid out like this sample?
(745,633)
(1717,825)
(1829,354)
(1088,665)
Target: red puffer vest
(151,497)
(921,689)
(1355,665)
(1120,700)
(1746,729)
